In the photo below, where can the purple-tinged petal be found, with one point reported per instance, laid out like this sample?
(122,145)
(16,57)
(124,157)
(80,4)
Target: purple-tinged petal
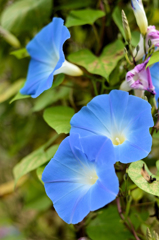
(140,78)
(153,35)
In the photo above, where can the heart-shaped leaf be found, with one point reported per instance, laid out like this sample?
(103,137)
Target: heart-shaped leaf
(102,65)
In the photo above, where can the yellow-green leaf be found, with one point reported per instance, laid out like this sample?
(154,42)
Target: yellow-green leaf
(134,172)
(153,59)
(10,90)
(35,159)
(23,15)
(102,65)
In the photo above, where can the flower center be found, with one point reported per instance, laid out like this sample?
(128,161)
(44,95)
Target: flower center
(92,177)
(117,140)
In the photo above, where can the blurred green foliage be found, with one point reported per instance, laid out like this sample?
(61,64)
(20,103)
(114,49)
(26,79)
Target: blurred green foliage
(27,143)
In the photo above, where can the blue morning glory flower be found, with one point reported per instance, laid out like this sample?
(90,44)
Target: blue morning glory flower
(155,78)
(47,58)
(123,118)
(80,177)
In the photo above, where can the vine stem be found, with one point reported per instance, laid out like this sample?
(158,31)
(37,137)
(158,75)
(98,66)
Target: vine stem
(156,125)
(96,34)
(131,229)
(95,87)
(144,37)
(131,52)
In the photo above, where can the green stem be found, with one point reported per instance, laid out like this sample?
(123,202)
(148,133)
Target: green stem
(95,87)
(102,88)
(126,57)
(92,78)
(144,37)
(131,228)
(131,52)
(106,6)
(96,34)
(50,141)
(128,206)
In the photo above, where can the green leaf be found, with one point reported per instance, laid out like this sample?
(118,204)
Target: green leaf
(107,225)
(153,59)
(82,17)
(24,15)
(39,172)
(137,194)
(135,38)
(10,90)
(102,65)
(50,96)
(134,172)
(9,38)
(36,197)
(157,165)
(156,135)
(35,159)
(118,19)
(21,53)
(59,118)
(138,216)
(72,4)
(58,80)
(41,203)
(19,96)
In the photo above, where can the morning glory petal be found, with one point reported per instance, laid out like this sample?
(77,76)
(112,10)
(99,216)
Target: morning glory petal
(106,188)
(91,122)
(39,78)
(76,184)
(121,118)
(46,46)
(98,149)
(137,147)
(46,51)
(140,78)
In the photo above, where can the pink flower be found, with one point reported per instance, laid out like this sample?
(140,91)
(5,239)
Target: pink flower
(140,78)
(153,35)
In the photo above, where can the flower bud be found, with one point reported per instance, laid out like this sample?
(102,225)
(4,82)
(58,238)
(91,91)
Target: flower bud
(140,15)
(126,27)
